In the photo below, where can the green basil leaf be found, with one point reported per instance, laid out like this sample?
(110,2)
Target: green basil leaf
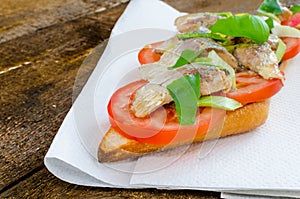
(185,92)
(270,22)
(213,36)
(249,26)
(295,8)
(219,102)
(194,81)
(186,57)
(270,6)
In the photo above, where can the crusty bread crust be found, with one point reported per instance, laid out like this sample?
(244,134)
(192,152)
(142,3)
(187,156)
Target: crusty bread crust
(115,147)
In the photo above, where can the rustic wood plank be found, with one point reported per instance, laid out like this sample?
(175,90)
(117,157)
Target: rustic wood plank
(44,185)
(221,5)
(215,6)
(22,16)
(35,97)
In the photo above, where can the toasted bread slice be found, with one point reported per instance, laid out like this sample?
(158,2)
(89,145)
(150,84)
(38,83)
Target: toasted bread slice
(115,147)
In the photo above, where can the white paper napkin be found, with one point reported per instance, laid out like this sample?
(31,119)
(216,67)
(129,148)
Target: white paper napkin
(71,157)
(263,161)
(266,160)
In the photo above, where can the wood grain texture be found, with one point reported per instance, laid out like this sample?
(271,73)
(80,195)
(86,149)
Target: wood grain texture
(216,6)
(42,46)
(35,98)
(221,5)
(21,17)
(42,184)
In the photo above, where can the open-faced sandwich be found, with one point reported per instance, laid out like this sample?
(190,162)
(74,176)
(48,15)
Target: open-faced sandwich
(213,79)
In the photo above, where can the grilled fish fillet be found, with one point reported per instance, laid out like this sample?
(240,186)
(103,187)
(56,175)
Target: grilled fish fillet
(169,58)
(153,95)
(259,58)
(193,22)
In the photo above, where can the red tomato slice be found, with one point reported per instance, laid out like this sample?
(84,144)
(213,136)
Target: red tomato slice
(292,47)
(292,44)
(293,22)
(161,127)
(148,54)
(253,88)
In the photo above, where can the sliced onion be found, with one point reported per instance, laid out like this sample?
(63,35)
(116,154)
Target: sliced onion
(285,31)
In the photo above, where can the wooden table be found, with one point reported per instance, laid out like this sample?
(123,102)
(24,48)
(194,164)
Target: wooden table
(42,45)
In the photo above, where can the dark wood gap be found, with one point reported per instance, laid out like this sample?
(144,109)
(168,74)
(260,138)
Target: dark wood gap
(22,178)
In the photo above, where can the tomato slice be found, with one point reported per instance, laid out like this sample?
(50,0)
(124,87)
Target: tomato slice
(148,54)
(293,22)
(292,44)
(292,47)
(253,88)
(160,127)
